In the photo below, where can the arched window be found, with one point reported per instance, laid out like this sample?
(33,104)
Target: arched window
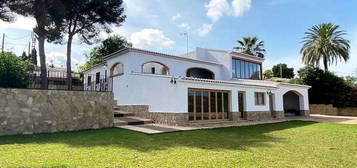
(117,69)
(199,73)
(153,67)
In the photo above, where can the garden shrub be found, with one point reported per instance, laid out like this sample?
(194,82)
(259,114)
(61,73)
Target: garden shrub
(13,71)
(327,88)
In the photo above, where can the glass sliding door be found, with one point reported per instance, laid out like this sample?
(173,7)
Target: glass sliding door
(225,105)
(205,105)
(191,106)
(219,105)
(213,104)
(198,105)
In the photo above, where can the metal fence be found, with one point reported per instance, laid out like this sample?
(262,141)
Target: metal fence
(57,80)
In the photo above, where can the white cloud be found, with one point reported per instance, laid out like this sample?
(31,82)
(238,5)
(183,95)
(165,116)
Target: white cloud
(185,26)
(59,59)
(240,7)
(150,37)
(141,10)
(21,22)
(176,17)
(218,8)
(204,29)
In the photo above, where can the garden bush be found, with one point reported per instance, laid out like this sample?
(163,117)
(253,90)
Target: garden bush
(327,88)
(13,71)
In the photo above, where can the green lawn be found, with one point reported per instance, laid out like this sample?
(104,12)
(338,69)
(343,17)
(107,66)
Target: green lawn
(287,144)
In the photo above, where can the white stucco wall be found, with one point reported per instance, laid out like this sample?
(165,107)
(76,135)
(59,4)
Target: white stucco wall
(302,91)
(133,62)
(134,88)
(163,96)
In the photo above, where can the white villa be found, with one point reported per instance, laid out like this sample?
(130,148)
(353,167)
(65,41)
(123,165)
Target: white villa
(201,86)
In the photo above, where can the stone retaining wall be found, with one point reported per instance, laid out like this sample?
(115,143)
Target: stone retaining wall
(330,110)
(323,109)
(347,111)
(26,111)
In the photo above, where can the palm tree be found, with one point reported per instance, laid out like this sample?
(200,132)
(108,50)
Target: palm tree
(251,46)
(325,41)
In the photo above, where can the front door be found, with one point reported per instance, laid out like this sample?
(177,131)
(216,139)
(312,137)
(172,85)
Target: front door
(241,103)
(208,105)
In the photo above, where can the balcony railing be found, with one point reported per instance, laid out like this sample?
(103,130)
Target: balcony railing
(57,80)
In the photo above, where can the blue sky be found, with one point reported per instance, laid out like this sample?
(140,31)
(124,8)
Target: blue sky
(156,25)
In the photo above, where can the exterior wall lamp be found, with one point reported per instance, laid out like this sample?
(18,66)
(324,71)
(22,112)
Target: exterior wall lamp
(269,92)
(173,80)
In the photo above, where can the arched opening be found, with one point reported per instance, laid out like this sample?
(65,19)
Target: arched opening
(199,73)
(153,67)
(291,103)
(117,69)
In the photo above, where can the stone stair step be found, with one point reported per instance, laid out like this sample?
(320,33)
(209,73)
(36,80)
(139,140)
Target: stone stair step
(118,113)
(121,121)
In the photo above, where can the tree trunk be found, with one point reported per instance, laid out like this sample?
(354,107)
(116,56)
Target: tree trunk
(325,63)
(41,48)
(69,69)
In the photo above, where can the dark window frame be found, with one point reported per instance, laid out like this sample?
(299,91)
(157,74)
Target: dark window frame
(256,98)
(97,77)
(89,80)
(246,69)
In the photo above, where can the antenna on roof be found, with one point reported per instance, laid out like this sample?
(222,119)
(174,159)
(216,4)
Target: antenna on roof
(185,34)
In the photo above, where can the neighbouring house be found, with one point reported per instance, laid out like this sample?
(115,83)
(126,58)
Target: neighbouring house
(203,85)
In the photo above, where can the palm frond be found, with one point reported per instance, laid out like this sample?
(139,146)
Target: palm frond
(251,46)
(325,42)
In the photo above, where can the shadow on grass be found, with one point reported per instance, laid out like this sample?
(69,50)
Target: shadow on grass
(232,138)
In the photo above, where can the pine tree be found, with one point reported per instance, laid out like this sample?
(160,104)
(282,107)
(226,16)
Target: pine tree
(24,56)
(33,56)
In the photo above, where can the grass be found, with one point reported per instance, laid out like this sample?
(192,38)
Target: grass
(286,144)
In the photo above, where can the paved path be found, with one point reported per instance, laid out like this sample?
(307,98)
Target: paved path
(334,119)
(157,128)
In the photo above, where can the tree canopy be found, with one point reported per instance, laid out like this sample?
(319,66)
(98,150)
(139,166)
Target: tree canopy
(251,46)
(327,88)
(325,42)
(108,46)
(286,72)
(86,19)
(267,74)
(5,13)
(48,16)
